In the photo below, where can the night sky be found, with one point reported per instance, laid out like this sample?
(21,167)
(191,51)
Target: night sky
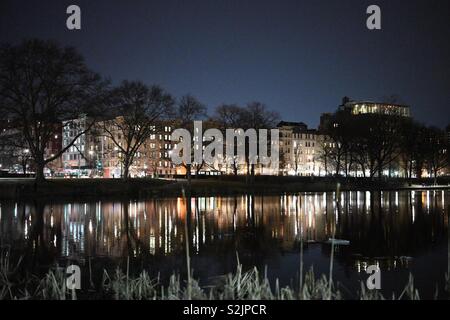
(298,57)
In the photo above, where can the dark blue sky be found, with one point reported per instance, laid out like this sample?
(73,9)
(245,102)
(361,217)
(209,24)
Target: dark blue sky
(298,57)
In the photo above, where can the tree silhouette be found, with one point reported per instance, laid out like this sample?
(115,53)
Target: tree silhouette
(137,110)
(43,85)
(190,109)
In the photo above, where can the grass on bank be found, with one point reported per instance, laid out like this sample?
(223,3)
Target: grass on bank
(239,285)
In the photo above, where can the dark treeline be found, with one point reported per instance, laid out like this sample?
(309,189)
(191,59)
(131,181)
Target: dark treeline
(373,145)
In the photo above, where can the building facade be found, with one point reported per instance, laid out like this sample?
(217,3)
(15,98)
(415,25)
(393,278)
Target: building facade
(15,157)
(299,150)
(363,107)
(151,160)
(76,160)
(96,153)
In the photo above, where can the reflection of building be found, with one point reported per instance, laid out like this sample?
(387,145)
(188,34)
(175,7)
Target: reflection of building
(299,149)
(220,226)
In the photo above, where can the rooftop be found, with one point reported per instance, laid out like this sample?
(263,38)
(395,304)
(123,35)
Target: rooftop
(291,124)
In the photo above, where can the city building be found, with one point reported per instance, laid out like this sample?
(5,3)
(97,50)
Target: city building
(53,147)
(447,130)
(152,158)
(15,157)
(299,149)
(96,154)
(364,107)
(8,153)
(77,160)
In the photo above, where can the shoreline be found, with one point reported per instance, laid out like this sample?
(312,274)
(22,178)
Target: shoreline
(66,189)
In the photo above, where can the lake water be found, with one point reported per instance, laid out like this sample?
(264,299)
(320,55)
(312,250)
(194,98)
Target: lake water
(401,231)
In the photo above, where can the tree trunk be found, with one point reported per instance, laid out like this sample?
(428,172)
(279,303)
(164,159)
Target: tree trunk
(372,170)
(127,161)
(126,171)
(346,168)
(40,177)
(188,173)
(337,168)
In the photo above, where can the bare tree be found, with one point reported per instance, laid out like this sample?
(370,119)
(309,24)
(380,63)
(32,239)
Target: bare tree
(257,116)
(254,116)
(436,151)
(325,152)
(370,142)
(189,110)
(139,109)
(229,116)
(376,142)
(339,138)
(42,85)
(413,146)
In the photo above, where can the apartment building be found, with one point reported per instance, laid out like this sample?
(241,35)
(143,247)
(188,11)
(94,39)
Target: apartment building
(77,160)
(299,149)
(15,157)
(363,107)
(152,159)
(96,154)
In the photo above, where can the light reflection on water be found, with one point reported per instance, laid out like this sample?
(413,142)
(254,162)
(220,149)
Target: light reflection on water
(393,229)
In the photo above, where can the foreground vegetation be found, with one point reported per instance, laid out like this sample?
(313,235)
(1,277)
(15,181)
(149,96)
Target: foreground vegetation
(240,285)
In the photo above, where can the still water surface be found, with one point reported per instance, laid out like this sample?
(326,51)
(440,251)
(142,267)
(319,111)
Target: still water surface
(401,231)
